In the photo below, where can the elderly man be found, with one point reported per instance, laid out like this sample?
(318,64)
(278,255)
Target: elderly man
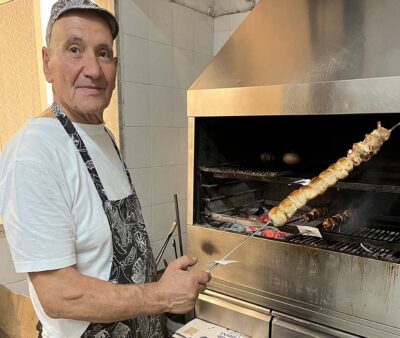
(71,214)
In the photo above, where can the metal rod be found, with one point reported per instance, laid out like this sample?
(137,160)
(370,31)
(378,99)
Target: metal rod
(215,264)
(178,223)
(164,246)
(240,193)
(174,246)
(394,127)
(244,206)
(217,185)
(234,219)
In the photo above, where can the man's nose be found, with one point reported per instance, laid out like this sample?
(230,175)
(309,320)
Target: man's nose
(92,67)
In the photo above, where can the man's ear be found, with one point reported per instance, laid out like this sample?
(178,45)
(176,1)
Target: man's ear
(46,66)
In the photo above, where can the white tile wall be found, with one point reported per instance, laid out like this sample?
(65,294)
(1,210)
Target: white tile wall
(137,98)
(180,108)
(162,106)
(135,59)
(8,276)
(220,38)
(161,21)
(165,46)
(167,145)
(201,61)
(20,287)
(184,67)
(141,178)
(184,23)
(224,26)
(221,23)
(235,20)
(161,63)
(168,180)
(203,34)
(134,17)
(137,147)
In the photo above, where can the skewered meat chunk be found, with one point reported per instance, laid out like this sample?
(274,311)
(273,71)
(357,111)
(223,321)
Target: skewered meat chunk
(319,185)
(345,163)
(308,192)
(298,198)
(329,176)
(288,207)
(339,171)
(381,132)
(328,224)
(354,157)
(315,213)
(374,142)
(277,216)
(361,151)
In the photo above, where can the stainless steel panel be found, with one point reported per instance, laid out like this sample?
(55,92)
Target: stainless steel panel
(351,293)
(234,314)
(336,97)
(284,326)
(306,57)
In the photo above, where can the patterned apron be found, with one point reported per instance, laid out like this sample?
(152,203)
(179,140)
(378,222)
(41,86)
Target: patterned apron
(133,260)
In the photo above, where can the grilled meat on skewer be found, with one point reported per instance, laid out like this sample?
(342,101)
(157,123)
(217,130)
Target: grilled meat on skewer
(361,151)
(314,214)
(328,224)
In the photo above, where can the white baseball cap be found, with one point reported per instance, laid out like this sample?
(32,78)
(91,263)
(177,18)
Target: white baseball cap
(62,6)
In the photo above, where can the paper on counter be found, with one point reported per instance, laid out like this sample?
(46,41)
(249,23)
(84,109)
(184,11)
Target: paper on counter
(309,231)
(198,328)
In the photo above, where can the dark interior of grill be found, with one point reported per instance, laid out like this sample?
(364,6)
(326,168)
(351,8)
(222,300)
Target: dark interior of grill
(234,188)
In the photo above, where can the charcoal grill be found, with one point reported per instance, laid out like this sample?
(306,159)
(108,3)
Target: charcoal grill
(229,183)
(311,77)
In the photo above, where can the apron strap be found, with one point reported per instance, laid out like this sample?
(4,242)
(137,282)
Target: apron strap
(80,145)
(119,155)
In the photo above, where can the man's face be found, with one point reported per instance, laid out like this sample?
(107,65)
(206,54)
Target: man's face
(80,64)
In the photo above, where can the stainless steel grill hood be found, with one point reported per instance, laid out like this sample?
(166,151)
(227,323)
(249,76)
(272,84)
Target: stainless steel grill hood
(298,57)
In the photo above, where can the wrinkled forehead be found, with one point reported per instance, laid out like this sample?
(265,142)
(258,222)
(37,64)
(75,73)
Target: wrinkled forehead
(80,23)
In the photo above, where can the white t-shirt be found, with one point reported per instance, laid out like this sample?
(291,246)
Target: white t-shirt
(52,213)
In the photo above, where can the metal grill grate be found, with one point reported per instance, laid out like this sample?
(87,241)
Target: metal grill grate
(356,246)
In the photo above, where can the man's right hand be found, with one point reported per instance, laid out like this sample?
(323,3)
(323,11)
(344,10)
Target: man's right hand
(179,287)
(66,293)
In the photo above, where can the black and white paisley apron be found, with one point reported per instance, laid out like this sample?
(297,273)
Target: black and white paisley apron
(133,260)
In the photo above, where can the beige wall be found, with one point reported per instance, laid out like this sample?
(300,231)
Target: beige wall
(111,114)
(21,94)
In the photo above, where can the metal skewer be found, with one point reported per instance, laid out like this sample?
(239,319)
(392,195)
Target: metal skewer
(164,246)
(215,264)
(178,222)
(394,127)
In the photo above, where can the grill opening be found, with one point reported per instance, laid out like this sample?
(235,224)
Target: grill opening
(235,187)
